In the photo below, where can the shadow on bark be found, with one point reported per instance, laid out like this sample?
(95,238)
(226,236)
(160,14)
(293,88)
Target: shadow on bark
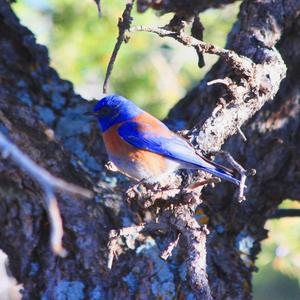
(43,116)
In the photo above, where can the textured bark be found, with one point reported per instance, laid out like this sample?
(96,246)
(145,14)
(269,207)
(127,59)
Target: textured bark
(35,103)
(272,148)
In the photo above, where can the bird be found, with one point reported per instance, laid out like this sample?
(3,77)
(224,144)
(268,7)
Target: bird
(144,148)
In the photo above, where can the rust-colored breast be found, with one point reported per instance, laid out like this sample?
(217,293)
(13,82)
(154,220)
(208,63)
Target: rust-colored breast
(114,144)
(135,162)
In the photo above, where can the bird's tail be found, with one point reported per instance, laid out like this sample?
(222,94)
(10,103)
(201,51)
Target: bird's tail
(217,170)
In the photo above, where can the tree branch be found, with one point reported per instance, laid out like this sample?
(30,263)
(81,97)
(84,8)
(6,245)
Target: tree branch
(242,65)
(49,183)
(98,3)
(229,277)
(244,173)
(195,236)
(134,231)
(123,25)
(285,212)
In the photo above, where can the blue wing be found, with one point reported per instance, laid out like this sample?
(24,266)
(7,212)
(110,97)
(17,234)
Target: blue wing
(170,145)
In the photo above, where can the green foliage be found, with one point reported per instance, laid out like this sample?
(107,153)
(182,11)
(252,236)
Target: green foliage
(153,72)
(284,243)
(281,253)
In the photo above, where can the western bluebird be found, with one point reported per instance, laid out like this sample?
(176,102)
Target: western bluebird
(142,147)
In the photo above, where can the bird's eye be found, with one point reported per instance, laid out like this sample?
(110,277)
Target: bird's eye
(104,111)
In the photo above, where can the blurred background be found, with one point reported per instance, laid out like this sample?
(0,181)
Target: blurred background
(155,73)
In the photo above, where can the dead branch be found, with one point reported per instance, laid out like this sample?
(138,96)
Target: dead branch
(98,3)
(168,251)
(242,65)
(285,213)
(226,81)
(257,84)
(197,32)
(134,231)
(242,134)
(199,184)
(123,25)
(49,184)
(195,236)
(178,215)
(244,173)
(229,118)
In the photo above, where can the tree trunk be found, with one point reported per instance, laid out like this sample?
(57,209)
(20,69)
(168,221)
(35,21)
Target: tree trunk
(41,114)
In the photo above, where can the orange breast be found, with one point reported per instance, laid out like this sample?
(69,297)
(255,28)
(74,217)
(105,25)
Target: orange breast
(134,162)
(114,144)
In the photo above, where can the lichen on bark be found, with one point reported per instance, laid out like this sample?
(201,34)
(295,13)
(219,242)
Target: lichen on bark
(35,101)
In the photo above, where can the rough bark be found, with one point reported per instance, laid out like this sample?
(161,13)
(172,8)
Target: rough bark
(35,103)
(272,148)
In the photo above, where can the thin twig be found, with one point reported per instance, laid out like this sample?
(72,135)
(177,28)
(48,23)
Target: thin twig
(114,235)
(98,3)
(226,81)
(168,251)
(240,64)
(147,194)
(134,231)
(222,103)
(285,212)
(123,25)
(111,245)
(38,173)
(49,183)
(244,173)
(242,134)
(110,166)
(56,224)
(198,184)
(197,32)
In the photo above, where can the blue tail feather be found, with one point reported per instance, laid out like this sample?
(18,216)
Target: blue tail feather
(220,173)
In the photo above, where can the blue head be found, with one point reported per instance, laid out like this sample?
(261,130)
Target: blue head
(114,109)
